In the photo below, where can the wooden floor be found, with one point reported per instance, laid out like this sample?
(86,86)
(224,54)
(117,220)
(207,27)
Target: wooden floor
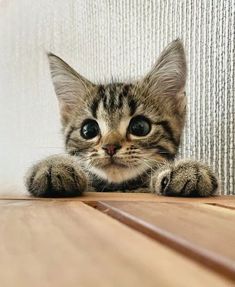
(117,240)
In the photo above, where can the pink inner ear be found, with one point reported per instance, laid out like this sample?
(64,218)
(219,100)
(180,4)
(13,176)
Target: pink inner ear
(181,101)
(168,76)
(65,112)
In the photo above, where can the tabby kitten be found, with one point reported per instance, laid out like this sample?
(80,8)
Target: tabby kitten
(122,136)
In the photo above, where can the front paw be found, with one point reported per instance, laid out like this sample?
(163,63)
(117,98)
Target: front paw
(56,176)
(185,178)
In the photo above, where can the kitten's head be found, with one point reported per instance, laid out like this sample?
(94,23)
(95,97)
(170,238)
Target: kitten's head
(122,130)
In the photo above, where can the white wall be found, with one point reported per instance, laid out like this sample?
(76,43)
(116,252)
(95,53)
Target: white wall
(101,40)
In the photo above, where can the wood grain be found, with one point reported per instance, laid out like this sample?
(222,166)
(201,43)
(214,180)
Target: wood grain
(203,231)
(230,204)
(67,243)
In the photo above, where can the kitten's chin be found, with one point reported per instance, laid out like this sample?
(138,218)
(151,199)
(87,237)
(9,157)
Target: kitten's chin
(118,174)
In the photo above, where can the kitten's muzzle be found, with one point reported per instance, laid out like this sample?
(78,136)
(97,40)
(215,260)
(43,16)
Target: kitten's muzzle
(111,149)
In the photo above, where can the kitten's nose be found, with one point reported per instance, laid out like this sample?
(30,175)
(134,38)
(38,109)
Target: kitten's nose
(111,149)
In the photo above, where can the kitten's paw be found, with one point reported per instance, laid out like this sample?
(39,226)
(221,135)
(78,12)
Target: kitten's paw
(185,178)
(56,176)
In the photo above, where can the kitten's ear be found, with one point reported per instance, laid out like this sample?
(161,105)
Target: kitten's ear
(70,87)
(168,76)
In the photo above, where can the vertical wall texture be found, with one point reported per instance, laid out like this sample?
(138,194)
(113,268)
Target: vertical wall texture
(121,40)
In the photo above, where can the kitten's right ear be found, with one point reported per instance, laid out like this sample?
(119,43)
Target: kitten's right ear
(166,80)
(70,87)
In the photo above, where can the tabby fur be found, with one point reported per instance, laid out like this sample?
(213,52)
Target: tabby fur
(140,161)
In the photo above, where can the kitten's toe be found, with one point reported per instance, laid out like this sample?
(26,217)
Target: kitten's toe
(54,178)
(186,178)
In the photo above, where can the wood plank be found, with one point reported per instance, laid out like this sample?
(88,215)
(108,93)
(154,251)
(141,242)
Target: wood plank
(136,196)
(58,243)
(202,231)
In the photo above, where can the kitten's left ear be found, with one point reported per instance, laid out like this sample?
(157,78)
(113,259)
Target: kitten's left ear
(168,77)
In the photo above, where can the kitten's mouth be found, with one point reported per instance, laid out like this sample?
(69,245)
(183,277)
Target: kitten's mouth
(117,169)
(113,163)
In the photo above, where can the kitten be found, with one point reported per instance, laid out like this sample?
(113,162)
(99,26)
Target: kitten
(122,136)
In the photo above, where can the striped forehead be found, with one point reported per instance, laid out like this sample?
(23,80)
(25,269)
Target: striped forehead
(113,102)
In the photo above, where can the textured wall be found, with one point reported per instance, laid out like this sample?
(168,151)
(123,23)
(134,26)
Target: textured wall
(119,39)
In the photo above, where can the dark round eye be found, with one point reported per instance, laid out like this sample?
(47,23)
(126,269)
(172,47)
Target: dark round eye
(90,129)
(139,126)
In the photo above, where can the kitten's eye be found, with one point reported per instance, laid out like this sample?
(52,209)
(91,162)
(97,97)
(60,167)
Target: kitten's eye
(139,126)
(90,129)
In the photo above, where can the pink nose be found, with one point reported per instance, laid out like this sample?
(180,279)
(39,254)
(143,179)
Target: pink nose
(111,149)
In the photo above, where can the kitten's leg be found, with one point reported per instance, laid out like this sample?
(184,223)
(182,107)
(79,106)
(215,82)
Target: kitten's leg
(56,176)
(184,178)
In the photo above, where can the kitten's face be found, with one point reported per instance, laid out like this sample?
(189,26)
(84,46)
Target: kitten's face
(120,131)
